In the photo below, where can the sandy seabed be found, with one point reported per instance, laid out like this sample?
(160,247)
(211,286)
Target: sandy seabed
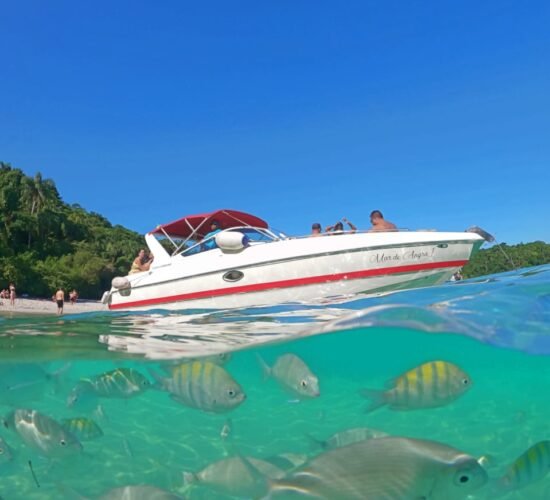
(48,307)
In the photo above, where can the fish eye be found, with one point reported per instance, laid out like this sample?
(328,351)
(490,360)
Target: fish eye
(462,478)
(465,381)
(303,383)
(1,451)
(62,442)
(231,393)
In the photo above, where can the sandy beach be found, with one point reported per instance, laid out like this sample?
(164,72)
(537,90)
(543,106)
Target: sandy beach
(48,307)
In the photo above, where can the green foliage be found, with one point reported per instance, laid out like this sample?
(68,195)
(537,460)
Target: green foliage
(501,258)
(46,243)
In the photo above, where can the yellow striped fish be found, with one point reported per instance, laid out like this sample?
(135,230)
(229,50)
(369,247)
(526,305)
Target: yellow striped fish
(529,467)
(203,385)
(83,428)
(119,383)
(429,385)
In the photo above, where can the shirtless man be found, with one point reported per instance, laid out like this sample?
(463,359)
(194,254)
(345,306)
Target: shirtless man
(60,299)
(141,263)
(379,223)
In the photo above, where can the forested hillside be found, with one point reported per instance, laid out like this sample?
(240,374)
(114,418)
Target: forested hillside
(46,243)
(503,257)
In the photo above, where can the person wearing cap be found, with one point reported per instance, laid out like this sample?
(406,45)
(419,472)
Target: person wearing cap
(338,228)
(316,229)
(211,243)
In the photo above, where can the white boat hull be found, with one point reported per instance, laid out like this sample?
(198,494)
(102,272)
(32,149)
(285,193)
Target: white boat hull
(298,270)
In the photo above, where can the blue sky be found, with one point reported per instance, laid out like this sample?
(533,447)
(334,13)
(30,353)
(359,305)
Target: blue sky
(436,113)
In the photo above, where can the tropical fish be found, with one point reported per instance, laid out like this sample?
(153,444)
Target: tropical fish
(42,433)
(6,454)
(236,476)
(530,467)
(203,385)
(349,436)
(142,492)
(120,383)
(390,468)
(429,385)
(83,428)
(293,375)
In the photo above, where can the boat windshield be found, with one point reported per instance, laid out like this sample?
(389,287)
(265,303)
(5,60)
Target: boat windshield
(254,236)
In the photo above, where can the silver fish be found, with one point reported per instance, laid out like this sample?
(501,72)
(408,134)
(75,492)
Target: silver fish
(203,385)
(293,375)
(236,476)
(349,436)
(429,385)
(42,433)
(142,492)
(391,468)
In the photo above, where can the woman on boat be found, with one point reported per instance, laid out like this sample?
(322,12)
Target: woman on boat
(141,263)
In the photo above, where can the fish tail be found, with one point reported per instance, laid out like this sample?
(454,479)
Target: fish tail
(376,396)
(266,370)
(159,379)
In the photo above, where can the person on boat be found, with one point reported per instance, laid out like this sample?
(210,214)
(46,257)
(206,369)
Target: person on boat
(379,223)
(141,263)
(211,243)
(316,229)
(338,228)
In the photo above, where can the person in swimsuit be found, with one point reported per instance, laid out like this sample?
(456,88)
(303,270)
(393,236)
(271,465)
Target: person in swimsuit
(60,300)
(12,294)
(141,263)
(379,223)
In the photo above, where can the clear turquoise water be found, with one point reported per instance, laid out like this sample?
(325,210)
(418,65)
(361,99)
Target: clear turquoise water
(496,328)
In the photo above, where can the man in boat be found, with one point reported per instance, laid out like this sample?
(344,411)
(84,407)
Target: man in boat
(211,243)
(379,223)
(316,229)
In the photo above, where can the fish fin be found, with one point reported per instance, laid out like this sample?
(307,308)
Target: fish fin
(159,379)
(266,370)
(317,442)
(376,396)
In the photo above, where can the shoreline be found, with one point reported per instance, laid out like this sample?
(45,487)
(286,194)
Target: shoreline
(45,307)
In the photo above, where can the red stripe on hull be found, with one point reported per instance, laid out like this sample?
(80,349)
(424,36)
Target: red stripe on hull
(259,287)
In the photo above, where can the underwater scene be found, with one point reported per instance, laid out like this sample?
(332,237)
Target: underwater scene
(435,393)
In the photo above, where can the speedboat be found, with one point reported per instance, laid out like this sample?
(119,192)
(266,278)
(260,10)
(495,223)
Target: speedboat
(248,264)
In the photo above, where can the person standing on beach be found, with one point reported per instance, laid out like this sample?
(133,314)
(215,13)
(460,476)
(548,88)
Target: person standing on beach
(60,300)
(12,294)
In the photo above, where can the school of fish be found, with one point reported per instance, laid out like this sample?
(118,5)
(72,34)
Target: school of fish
(353,463)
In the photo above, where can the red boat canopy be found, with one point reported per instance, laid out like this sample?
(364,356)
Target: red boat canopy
(183,228)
